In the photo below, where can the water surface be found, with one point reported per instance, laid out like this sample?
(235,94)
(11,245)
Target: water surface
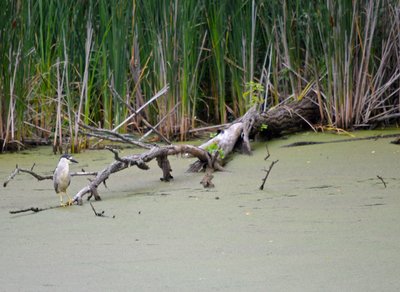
(324,222)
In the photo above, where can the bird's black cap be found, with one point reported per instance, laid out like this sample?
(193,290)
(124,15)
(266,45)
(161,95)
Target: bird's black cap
(69,157)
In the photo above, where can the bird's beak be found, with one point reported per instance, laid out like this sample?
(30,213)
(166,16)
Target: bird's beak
(73,160)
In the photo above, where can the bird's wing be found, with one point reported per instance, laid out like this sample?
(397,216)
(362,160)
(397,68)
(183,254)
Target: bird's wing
(55,182)
(56,187)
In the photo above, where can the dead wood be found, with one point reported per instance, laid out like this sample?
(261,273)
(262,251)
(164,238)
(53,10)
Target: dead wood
(160,93)
(140,160)
(207,179)
(396,141)
(381,179)
(267,174)
(268,155)
(209,128)
(211,155)
(100,214)
(17,170)
(112,136)
(288,118)
(35,209)
(376,137)
(164,164)
(160,122)
(142,118)
(39,177)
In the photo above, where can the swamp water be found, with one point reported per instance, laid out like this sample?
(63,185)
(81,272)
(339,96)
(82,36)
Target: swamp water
(324,222)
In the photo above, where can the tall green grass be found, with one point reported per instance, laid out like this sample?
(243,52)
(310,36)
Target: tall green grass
(64,62)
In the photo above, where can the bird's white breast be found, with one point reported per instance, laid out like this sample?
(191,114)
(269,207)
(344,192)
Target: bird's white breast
(62,175)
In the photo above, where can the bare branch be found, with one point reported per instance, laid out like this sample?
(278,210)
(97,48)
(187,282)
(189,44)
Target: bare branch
(113,136)
(140,161)
(36,209)
(39,177)
(267,174)
(268,155)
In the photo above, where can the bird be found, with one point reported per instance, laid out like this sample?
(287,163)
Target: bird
(62,177)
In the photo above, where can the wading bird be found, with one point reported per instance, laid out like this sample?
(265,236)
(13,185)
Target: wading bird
(62,178)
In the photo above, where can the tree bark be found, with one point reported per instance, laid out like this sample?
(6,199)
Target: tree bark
(282,119)
(290,118)
(210,155)
(287,118)
(140,160)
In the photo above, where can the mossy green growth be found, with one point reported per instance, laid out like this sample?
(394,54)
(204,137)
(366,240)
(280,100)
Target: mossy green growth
(213,148)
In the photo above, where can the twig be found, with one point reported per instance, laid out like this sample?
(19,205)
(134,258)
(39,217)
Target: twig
(266,175)
(163,91)
(384,183)
(84,173)
(37,127)
(116,155)
(99,214)
(11,176)
(268,155)
(160,122)
(108,134)
(215,127)
(139,163)
(17,170)
(35,209)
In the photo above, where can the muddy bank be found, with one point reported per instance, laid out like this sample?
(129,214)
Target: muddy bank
(323,222)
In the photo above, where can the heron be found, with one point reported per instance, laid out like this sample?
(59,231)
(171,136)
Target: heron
(62,177)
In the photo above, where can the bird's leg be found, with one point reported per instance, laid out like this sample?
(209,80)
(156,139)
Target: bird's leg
(70,201)
(61,200)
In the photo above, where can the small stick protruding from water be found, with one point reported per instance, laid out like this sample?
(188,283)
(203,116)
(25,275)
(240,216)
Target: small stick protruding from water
(99,214)
(266,175)
(268,155)
(384,183)
(11,176)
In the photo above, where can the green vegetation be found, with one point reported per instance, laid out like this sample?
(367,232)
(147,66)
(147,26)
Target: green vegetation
(65,62)
(253,92)
(214,149)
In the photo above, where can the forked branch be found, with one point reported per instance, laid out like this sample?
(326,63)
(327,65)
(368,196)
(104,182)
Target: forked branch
(141,160)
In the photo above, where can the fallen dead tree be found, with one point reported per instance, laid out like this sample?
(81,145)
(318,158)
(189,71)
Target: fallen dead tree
(210,155)
(160,153)
(289,118)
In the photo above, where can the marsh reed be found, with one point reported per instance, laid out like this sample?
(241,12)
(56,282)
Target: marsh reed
(66,62)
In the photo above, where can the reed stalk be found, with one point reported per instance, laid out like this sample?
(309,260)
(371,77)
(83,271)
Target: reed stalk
(217,23)
(84,91)
(55,71)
